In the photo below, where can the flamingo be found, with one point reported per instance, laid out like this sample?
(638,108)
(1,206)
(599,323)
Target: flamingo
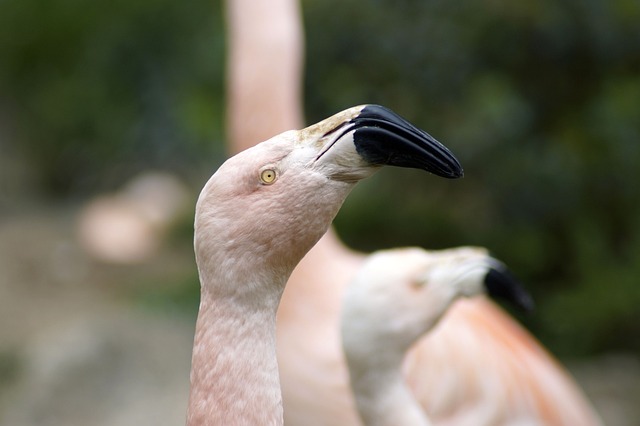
(266,46)
(397,297)
(256,217)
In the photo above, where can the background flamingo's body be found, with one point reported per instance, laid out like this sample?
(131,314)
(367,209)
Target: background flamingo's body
(526,385)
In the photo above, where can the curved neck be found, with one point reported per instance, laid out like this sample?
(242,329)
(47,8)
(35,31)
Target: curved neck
(383,398)
(234,370)
(264,70)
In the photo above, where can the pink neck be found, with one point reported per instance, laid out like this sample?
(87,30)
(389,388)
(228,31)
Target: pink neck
(234,371)
(383,398)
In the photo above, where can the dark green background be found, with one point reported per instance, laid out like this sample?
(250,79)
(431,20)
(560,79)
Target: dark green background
(540,101)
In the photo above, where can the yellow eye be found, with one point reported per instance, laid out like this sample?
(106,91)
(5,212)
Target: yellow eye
(268,176)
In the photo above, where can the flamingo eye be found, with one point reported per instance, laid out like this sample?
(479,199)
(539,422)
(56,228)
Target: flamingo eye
(268,176)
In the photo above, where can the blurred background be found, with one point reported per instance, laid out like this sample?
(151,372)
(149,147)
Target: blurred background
(112,118)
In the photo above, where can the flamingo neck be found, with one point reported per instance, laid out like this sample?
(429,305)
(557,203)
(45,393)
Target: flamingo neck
(309,282)
(234,370)
(383,399)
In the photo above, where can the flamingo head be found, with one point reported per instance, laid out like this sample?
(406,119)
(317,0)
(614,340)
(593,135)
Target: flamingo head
(400,295)
(265,207)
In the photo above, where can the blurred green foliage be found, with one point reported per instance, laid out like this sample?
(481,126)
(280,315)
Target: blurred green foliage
(540,100)
(541,103)
(102,89)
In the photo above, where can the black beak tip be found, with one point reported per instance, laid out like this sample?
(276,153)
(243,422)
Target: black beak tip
(456,173)
(501,284)
(383,137)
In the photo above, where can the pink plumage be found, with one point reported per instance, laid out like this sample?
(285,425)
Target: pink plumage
(264,79)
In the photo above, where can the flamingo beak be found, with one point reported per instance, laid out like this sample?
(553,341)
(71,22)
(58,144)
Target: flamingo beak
(501,284)
(382,138)
(354,143)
